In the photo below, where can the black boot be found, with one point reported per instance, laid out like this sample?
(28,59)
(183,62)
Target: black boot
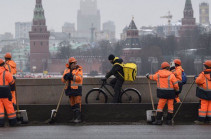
(13,122)
(169,119)
(158,120)
(1,122)
(77,118)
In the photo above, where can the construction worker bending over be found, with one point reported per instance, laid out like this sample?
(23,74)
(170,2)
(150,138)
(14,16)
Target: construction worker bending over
(203,92)
(73,75)
(10,65)
(117,71)
(177,71)
(166,86)
(6,79)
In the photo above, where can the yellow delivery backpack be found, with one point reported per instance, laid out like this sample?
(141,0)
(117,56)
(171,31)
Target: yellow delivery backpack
(130,71)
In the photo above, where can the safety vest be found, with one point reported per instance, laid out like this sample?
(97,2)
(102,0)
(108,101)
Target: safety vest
(178,73)
(77,81)
(203,90)
(6,79)
(166,84)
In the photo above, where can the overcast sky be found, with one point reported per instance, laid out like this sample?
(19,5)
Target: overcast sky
(146,12)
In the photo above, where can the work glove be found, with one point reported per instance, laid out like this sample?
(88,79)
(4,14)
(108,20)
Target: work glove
(103,79)
(147,75)
(68,76)
(195,77)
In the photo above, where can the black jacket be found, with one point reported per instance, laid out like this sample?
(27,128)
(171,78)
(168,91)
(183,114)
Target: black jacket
(116,69)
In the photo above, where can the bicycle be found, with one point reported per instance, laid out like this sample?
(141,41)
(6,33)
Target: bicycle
(98,95)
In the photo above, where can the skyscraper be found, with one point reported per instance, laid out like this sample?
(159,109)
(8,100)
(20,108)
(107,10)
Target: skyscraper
(204,13)
(39,40)
(22,30)
(88,17)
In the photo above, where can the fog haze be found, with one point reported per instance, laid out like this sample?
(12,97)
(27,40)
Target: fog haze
(146,12)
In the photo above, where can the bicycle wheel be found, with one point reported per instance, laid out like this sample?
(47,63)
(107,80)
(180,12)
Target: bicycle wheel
(96,96)
(130,95)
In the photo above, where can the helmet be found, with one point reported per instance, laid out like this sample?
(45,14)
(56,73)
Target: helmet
(72,60)
(164,65)
(8,55)
(177,61)
(1,61)
(208,63)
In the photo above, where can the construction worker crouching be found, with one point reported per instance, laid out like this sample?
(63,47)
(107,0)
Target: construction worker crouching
(177,71)
(6,80)
(166,86)
(73,75)
(203,92)
(10,65)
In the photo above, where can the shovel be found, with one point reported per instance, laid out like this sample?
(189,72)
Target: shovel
(54,111)
(151,114)
(182,102)
(22,116)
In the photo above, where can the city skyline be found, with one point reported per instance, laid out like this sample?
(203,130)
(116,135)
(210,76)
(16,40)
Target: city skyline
(140,9)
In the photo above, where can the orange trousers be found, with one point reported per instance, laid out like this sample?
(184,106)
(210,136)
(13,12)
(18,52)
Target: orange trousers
(8,105)
(162,102)
(74,100)
(13,97)
(205,110)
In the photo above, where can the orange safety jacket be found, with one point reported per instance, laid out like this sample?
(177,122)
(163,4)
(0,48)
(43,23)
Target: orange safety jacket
(203,90)
(10,65)
(167,84)
(178,74)
(6,79)
(74,87)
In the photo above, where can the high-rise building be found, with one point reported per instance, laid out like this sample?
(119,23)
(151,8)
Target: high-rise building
(22,30)
(39,40)
(88,18)
(68,28)
(204,13)
(110,28)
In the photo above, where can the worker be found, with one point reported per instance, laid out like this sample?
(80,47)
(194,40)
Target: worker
(10,65)
(73,77)
(203,92)
(178,72)
(117,71)
(166,86)
(6,79)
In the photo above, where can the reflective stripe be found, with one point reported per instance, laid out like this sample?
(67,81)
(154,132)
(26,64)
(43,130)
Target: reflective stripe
(9,68)
(1,113)
(170,111)
(74,78)
(12,81)
(159,110)
(204,89)
(207,83)
(4,78)
(202,116)
(202,112)
(11,114)
(152,77)
(209,112)
(169,81)
(12,118)
(158,81)
(166,89)
(175,82)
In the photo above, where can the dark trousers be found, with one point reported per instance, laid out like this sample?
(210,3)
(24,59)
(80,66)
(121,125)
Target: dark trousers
(117,86)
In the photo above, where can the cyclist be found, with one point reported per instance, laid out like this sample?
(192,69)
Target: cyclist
(118,81)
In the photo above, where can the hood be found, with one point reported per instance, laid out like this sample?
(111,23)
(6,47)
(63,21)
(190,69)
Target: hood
(207,74)
(180,67)
(164,73)
(11,63)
